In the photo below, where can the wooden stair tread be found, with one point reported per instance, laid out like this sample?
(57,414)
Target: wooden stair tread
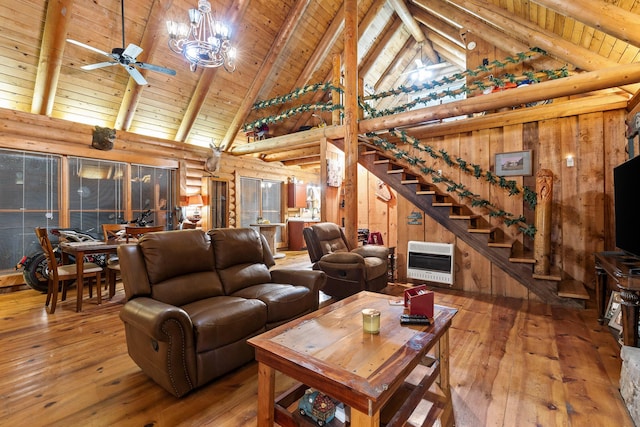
(464,216)
(499,244)
(519,254)
(481,230)
(570,288)
(445,204)
(409,181)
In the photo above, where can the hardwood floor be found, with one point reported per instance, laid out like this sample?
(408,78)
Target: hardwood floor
(513,363)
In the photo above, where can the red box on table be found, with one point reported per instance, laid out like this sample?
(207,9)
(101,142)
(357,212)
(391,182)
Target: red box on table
(419,301)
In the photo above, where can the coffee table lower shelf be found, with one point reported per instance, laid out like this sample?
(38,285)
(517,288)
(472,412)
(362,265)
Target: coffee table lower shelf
(395,413)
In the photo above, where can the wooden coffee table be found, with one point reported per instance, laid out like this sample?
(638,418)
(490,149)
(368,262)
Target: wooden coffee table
(328,351)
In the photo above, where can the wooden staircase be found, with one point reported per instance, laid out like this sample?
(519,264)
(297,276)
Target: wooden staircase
(474,231)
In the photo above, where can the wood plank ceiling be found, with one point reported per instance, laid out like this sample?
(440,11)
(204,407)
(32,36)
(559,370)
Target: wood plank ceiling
(283,45)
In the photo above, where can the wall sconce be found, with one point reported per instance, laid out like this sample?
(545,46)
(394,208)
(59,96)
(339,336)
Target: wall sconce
(570,161)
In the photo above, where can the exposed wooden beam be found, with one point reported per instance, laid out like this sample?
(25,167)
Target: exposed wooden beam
(573,85)
(368,19)
(51,50)
(286,30)
(414,28)
(133,92)
(302,161)
(289,141)
(388,33)
(395,65)
(601,15)
(492,35)
(350,183)
(435,25)
(292,154)
(201,91)
(536,36)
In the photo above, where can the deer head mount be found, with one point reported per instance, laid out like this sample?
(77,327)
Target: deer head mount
(212,164)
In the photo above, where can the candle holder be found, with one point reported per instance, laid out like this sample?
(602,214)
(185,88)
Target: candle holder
(371,321)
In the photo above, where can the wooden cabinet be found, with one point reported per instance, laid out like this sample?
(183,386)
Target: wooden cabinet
(296,240)
(297,195)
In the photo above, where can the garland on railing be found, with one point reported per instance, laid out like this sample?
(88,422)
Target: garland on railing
(458,188)
(297,93)
(520,57)
(292,112)
(492,82)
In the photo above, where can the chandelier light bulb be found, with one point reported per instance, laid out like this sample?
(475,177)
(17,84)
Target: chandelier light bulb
(205,42)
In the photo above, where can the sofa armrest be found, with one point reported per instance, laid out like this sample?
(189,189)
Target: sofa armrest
(312,279)
(149,316)
(377,251)
(343,258)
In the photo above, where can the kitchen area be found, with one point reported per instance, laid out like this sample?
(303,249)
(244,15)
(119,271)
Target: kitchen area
(303,208)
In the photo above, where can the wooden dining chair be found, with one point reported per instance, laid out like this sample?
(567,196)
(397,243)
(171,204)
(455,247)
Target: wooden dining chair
(113,233)
(62,274)
(134,232)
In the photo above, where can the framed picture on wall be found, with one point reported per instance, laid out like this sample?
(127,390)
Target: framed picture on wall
(515,163)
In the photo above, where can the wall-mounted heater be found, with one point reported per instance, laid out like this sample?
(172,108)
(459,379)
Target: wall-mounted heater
(431,261)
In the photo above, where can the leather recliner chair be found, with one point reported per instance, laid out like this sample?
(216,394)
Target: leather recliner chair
(349,270)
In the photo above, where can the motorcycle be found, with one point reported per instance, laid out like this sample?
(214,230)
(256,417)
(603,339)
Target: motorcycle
(34,266)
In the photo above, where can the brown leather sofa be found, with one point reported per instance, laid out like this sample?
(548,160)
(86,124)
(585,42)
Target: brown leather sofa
(193,299)
(349,270)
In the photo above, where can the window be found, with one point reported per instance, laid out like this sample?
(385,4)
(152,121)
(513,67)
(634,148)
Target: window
(261,198)
(32,193)
(96,193)
(152,189)
(29,198)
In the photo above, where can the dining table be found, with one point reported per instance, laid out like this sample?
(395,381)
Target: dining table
(81,249)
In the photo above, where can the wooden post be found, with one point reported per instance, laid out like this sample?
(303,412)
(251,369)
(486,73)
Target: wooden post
(335,95)
(351,121)
(542,243)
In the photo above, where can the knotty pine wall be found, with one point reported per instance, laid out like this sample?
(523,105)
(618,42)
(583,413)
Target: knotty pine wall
(582,215)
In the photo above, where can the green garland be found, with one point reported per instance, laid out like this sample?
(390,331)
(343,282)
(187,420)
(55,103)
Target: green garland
(464,89)
(520,57)
(297,93)
(292,112)
(453,187)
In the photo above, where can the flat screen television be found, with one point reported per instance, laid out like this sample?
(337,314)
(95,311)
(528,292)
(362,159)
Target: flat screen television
(626,189)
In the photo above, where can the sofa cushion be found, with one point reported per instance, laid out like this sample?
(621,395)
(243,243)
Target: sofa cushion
(174,253)
(241,276)
(187,288)
(235,246)
(283,301)
(223,320)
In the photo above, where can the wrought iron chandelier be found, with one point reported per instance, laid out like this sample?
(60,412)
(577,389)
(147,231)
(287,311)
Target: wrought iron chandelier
(205,41)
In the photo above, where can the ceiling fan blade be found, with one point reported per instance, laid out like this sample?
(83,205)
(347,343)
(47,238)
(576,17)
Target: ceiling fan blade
(86,46)
(156,68)
(133,71)
(98,65)
(132,51)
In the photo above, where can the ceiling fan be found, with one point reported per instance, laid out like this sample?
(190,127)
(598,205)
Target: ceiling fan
(125,57)
(424,71)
